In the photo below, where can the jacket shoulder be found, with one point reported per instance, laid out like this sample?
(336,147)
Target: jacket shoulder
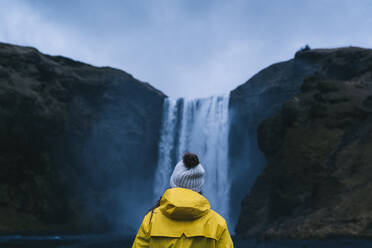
(218,218)
(211,225)
(145,225)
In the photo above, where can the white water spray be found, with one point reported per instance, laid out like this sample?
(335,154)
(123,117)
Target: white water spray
(166,146)
(200,126)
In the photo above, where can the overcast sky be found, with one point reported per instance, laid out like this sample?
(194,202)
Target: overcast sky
(191,48)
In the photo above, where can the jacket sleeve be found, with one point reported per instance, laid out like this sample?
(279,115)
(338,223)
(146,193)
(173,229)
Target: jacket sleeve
(225,240)
(142,239)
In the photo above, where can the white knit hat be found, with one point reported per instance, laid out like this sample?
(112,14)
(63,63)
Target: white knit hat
(184,177)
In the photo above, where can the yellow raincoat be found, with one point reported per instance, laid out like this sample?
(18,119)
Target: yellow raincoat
(183,219)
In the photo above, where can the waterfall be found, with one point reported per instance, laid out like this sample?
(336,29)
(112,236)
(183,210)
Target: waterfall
(166,146)
(200,126)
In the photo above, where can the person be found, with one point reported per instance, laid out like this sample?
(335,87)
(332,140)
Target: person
(183,217)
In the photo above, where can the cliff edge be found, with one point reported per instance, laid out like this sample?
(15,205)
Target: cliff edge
(58,117)
(317,180)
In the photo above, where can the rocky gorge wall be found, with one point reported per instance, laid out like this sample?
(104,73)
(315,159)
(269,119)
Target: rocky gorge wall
(316,183)
(252,102)
(53,113)
(79,144)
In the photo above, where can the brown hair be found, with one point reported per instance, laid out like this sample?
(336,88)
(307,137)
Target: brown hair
(190,160)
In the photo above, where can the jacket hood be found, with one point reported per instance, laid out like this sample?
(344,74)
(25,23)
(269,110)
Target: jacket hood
(183,204)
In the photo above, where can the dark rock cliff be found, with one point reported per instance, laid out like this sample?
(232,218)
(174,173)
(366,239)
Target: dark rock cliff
(318,145)
(259,98)
(78,145)
(53,113)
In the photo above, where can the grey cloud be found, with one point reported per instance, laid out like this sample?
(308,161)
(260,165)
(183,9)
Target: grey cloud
(185,48)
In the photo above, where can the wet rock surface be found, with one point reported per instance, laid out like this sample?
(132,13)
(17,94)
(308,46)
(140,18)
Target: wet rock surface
(316,183)
(50,108)
(252,102)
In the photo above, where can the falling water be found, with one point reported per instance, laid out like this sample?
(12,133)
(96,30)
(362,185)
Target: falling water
(200,126)
(166,146)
